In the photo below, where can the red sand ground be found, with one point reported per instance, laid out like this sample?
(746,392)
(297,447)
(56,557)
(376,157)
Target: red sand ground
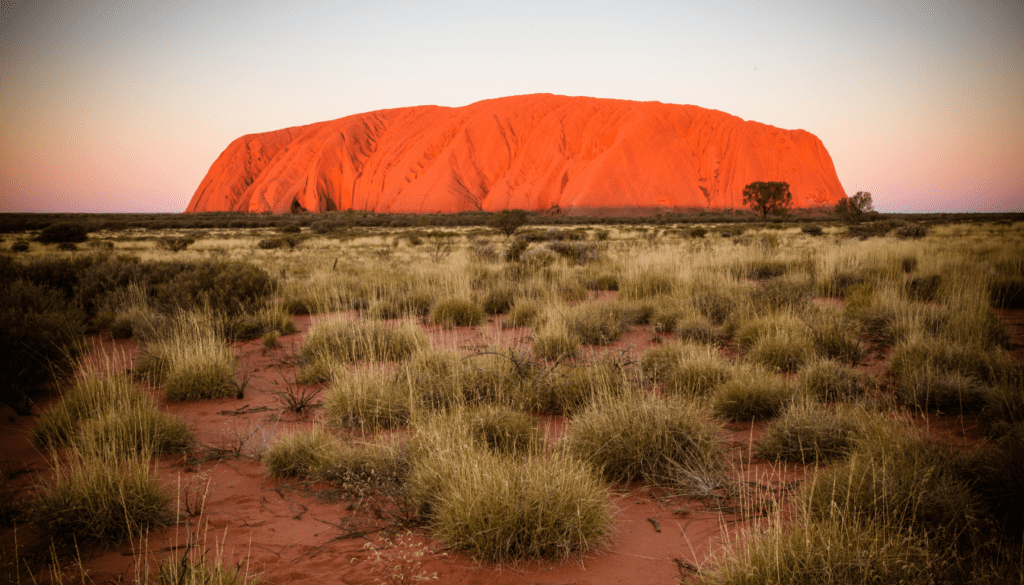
(290,536)
(532,152)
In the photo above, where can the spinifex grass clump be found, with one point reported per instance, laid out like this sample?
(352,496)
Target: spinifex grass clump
(834,551)
(107,414)
(830,381)
(191,359)
(499,510)
(807,433)
(499,507)
(596,323)
(686,369)
(640,436)
(341,341)
(555,344)
(91,395)
(505,431)
(646,284)
(752,393)
(524,313)
(303,453)
(369,398)
(897,480)
(101,499)
(457,312)
(572,388)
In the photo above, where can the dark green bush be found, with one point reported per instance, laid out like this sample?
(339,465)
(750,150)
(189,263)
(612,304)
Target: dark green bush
(229,287)
(515,250)
(698,232)
(56,233)
(1004,293)
(42,333)
(923,287)
(811,230)
(911,231)
(19,247)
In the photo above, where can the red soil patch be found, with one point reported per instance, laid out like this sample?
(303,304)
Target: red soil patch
(290,536)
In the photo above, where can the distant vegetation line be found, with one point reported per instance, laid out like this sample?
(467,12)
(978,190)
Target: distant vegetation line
(17,222)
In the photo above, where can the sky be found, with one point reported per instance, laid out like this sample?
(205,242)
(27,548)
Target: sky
(123,106)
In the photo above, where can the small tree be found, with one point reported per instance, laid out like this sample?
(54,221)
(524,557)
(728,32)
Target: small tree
(57,233)
(768,197)
(508,221)
(854,208)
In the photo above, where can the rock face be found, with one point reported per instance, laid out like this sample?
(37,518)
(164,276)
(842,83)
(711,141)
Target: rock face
(530,152)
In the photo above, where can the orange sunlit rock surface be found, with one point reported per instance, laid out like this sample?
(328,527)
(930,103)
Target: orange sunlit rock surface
(524,152)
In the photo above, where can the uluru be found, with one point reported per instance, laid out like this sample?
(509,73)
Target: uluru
(533,152)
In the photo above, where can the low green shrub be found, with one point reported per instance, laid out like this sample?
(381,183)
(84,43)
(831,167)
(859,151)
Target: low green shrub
(911,231)
(270,340)
(63,232)
(20,246)
(42,336)
(229,287)
(457,312)
(1007,292)
(811,230)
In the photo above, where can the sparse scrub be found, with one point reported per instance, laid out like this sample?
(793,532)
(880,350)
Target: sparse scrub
(808,433)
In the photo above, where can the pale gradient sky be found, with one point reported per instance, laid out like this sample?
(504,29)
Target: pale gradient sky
(123,106)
